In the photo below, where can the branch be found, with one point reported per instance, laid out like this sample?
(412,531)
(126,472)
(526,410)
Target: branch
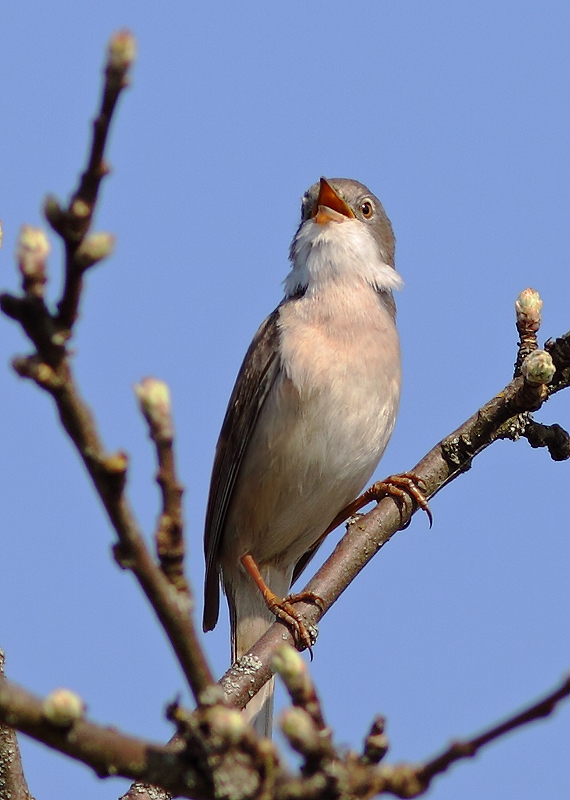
(13,784)
(503,416)
(108,473)
(107,751)
(553,437)
(50,368)
(154,399)
(216,754)
(73,223)
(470,747)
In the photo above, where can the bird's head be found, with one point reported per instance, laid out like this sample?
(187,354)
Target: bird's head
(344,237)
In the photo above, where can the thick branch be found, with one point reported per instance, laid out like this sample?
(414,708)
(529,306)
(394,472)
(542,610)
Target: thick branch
(108,752)
(366,535)
(218,755)
(13,784)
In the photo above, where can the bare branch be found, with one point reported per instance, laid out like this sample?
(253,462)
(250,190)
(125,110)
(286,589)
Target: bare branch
(470,747)
(366,535)
(108,473)
(13,784)
(73,223)
(553,437)
(154,399)
(216,754)
(105,750)
(50,368)
(294,672)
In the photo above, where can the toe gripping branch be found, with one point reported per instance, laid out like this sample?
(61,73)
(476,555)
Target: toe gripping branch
(403,486)
(283,607)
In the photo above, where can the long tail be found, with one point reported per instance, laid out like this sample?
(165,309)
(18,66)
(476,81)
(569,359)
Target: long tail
(249,619)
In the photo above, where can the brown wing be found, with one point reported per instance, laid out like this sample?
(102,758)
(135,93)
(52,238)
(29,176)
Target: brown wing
(255,379)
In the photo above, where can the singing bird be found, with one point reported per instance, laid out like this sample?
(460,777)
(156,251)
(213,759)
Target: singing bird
(311,413)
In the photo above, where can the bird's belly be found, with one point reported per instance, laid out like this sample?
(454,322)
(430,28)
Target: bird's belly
(311,454)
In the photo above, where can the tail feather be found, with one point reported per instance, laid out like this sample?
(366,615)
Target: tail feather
(249,619)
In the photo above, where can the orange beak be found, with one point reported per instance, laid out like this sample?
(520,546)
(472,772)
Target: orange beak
(330,207)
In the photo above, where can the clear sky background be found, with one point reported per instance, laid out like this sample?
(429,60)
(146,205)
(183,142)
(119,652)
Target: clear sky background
(457,116)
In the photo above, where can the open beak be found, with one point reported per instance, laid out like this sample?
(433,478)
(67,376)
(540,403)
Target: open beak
(330,207)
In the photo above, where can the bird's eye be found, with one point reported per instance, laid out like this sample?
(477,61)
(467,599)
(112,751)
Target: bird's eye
(367,209)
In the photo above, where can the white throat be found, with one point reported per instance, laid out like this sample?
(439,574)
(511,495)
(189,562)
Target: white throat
(342,253)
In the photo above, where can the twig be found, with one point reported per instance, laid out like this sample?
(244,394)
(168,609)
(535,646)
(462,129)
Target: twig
(50,369)
(303,725)
(154,399)
(108,473)
(469,747)
(528,306)
(73,223)
(294,673)
(376,744)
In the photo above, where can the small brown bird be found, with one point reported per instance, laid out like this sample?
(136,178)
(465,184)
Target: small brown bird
(311,413)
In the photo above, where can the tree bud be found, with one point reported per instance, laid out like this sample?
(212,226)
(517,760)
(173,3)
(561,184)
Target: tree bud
(538,367)
(62,707)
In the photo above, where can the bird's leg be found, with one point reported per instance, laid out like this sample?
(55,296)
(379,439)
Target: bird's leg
(400,487)
(283,607)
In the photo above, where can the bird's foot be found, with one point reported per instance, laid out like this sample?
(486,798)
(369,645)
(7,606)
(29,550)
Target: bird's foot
(283,607)
(404,486)
(401,487)
(284,610)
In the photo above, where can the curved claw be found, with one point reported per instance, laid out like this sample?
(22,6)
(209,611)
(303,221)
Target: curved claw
(284,611)
(400,487)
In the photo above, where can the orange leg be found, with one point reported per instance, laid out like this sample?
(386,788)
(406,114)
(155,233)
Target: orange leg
(283,607)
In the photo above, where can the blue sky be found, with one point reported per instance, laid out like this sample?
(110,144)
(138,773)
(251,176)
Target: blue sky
(456,115)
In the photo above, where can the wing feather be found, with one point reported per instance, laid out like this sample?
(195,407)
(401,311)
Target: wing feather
(254,381)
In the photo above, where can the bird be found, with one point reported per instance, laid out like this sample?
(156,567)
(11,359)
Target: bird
(312,410)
